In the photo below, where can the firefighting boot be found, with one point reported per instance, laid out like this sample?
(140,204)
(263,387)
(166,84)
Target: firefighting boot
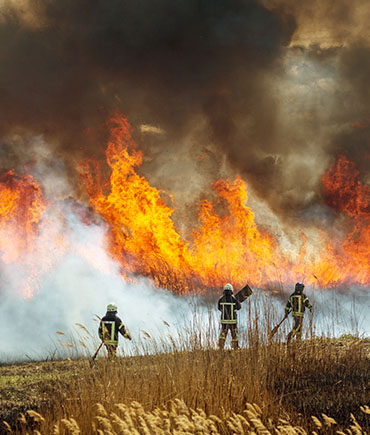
(221,340)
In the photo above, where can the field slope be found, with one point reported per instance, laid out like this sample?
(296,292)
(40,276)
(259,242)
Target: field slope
(272,388)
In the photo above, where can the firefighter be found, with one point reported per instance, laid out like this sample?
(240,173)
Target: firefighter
(109,327)
(297,303)
(228,306)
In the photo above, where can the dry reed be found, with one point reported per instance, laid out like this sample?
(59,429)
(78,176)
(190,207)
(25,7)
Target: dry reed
(181,384)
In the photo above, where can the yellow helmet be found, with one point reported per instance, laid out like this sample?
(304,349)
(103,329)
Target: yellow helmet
(228,288)
(112,307)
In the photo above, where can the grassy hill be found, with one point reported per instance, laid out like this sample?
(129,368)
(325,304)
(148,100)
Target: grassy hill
(262,389)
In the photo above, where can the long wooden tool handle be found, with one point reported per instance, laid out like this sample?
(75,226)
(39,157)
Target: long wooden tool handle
(273,332)
(97,350)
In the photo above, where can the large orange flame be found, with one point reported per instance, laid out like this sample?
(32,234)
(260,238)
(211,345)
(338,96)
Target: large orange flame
(143,239)
(343,190)
(34,233)
(231,247)
(21,208)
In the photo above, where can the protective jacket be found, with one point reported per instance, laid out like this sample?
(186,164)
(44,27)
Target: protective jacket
(228,306)
(297,302)
(109,327)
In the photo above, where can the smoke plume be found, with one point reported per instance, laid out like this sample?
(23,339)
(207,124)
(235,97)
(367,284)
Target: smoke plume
(76,290)
(275,87)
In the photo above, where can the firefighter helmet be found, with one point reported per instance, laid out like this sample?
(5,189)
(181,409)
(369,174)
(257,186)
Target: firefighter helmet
(228,288)
(112,307)
(299,287)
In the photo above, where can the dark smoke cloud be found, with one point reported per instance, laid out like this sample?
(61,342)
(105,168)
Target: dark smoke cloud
(333,39)
(164,51)
(355,70)
(165,60)
(208,72)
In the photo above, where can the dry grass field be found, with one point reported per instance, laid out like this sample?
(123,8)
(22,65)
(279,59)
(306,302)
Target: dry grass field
(186,386)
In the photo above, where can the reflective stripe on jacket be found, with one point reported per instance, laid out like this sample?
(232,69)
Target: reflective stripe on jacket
(297,303)
(228,306)
(110,326)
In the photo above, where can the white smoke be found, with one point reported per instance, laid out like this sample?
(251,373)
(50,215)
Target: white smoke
(68,277)
(74,278)
(74,291)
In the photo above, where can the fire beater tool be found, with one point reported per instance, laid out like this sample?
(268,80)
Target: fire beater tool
(96,352)
(274,330)
(243,294)
(100,345)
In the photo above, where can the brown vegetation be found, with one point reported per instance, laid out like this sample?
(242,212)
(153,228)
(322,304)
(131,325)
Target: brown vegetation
(196,389)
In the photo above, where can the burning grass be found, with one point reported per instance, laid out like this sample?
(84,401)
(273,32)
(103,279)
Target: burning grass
(192,389)
(227,243)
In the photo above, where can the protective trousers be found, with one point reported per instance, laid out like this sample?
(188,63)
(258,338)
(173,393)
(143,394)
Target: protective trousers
(225,328)
(297,329)
(111,349)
